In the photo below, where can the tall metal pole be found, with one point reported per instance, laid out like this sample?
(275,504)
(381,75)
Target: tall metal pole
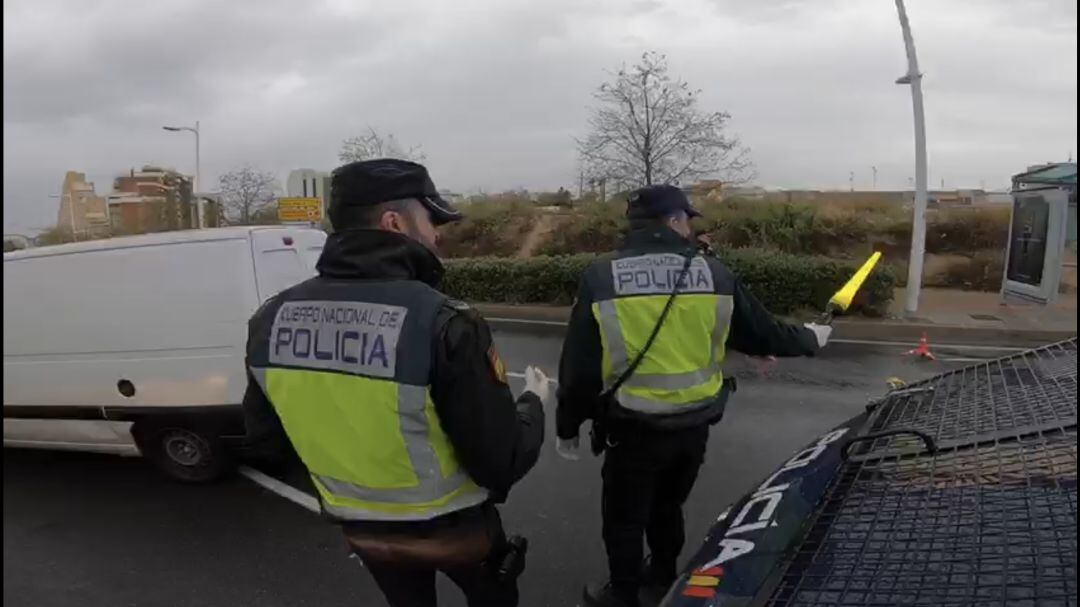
(918,227)
(197,167)
(195,184)
(200,222)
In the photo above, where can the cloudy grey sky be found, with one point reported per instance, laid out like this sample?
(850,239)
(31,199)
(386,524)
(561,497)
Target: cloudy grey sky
(495,90)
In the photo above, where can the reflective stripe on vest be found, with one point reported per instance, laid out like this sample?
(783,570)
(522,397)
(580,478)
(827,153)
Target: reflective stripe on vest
(356,485)
(343,377)
(660,386)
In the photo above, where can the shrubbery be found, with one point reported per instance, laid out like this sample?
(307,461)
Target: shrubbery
(982,271)
(788,283)
(490,227)
(594,228)
(842,230)
(784,283)
(961,230)
(791,255)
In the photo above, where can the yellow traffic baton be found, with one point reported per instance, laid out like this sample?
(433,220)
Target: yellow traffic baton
(841,300)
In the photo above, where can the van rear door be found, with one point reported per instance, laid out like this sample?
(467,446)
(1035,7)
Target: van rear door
(309,243)
(284,257)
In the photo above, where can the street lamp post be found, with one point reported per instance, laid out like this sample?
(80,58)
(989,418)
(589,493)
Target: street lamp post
(918,228)
(198,181)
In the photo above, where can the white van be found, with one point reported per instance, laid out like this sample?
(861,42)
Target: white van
(136,345)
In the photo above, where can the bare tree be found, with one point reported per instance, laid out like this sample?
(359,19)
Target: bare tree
(646,128)
(376,145)
(245,193)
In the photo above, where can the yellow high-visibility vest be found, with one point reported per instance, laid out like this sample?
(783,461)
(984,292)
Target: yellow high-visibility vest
(681,370)
(346,370)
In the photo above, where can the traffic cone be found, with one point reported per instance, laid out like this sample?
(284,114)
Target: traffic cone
(923,349)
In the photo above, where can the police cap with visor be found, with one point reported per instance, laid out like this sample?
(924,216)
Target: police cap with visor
(658,201)
(359,185)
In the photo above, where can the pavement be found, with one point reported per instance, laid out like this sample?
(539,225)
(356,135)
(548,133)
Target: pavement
(946,316)
(98,530)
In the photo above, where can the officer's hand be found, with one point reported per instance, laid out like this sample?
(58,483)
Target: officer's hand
(567,448)
(763,364)
(821,332)
(537,383)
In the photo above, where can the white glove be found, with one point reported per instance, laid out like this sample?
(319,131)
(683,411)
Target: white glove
(537,383)
(567,448)
(821,332)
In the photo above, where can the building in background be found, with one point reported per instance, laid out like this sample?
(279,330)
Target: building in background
(154,199)
(707,190)
(309,183)
(936,198)
(82,212)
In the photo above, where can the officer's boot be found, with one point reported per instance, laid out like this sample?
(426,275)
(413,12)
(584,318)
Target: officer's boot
(655,582)
(606,595)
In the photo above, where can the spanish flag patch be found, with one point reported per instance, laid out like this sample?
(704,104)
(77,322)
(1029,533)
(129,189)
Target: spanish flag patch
(497,366)
(703,582)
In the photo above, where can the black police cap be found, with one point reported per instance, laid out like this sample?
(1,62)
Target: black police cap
(370,182)
(657,201)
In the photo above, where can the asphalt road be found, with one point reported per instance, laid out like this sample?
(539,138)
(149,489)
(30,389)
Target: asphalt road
(99,530)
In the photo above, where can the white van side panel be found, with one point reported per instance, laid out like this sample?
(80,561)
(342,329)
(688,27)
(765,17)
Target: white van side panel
(284,258)
(170,318)
(75,435)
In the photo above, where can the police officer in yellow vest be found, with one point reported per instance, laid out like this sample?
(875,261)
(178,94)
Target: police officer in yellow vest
(657,423)
(393,396)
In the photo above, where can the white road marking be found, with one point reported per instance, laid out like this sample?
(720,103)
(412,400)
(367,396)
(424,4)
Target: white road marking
(308,502)
(869,342)
(551,323)
(854,342)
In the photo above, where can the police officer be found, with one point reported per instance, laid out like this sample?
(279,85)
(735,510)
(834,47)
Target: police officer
(657,426)
(394,397)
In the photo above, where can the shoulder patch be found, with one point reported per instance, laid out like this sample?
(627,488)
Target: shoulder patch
(457,304)
(460,307)
(498,369)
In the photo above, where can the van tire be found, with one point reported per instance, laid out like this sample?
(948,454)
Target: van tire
(184,453)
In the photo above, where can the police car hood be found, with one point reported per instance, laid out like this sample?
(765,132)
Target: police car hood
(378,254)
(959,489)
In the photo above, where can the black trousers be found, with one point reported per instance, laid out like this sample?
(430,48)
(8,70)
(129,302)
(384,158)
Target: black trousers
(415,586)
(648,476)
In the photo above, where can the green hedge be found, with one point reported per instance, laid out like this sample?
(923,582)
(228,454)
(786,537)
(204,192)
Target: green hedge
(784,283)
(536,280)
(788,283)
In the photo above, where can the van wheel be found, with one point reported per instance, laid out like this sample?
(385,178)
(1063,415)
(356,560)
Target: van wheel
(186,454)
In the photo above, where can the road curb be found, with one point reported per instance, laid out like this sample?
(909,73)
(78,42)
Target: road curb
(551,320)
